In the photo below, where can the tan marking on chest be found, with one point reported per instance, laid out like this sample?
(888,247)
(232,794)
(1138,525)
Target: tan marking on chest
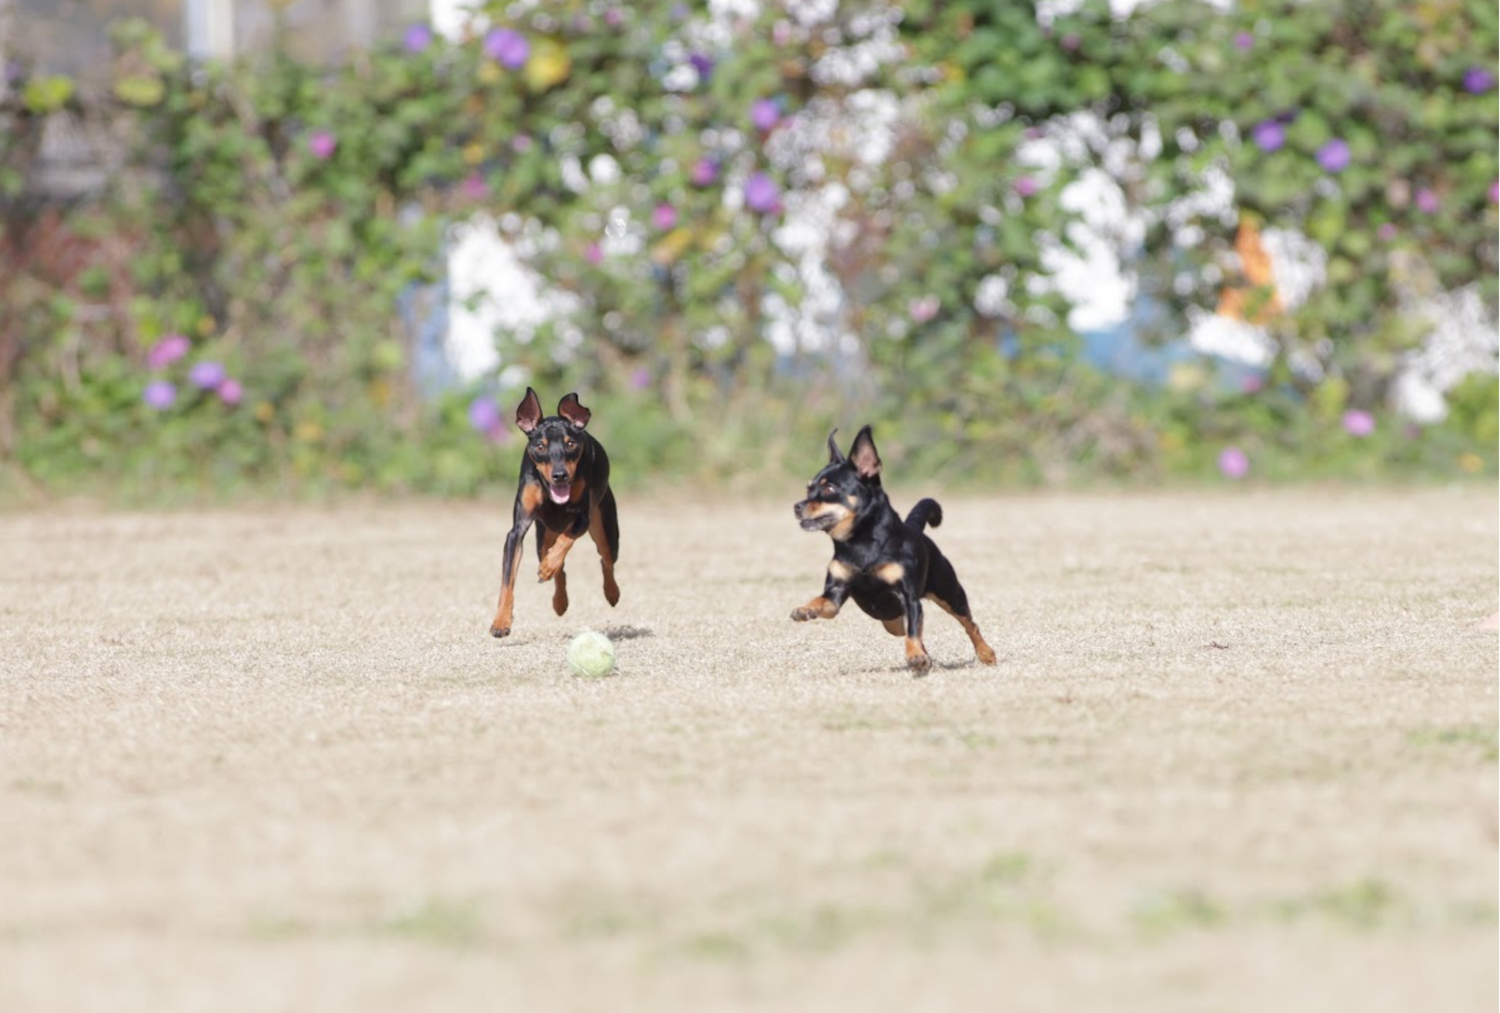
(840,571)
(891,573)
(531,498)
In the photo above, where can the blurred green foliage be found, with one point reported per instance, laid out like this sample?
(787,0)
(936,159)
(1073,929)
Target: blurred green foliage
(652,168)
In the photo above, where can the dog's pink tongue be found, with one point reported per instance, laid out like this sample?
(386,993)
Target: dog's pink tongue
(560,493)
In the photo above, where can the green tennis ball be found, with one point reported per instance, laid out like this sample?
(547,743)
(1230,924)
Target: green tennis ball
(592,654)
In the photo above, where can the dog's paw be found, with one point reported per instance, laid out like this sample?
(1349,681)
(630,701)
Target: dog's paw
(986,655)
(612,594)
(804,613)
(499,631)
(918,663)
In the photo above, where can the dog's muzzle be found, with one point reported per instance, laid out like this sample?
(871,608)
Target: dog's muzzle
(811,521)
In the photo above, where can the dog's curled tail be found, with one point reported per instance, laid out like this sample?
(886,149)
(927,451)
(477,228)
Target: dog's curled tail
(925,514)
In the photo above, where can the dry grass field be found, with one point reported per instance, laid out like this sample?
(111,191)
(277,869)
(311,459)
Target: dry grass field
(1239,754)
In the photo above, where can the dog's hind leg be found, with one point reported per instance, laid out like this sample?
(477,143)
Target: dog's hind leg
(604,529)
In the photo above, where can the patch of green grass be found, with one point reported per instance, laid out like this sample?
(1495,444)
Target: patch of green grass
(40,786)
(436,921)
(1483,739)
(1167,912)
(1364,904)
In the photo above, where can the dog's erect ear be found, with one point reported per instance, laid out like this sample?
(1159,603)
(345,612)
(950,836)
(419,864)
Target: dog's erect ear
(577,414)
(530,411)
(834,457)
(864,456)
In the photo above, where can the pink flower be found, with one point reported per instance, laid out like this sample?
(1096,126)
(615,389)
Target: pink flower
(1386,232)
(593,253)
(923,309)
(704,172)
(230,391)
(1358,423)
(1233,463)
(474,187)
(167,351)
(663,217)
(1026,186)
(322,144)
(1243,40)
(1427,201)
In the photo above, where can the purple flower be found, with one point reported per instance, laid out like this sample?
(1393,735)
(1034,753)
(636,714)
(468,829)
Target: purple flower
(206,375)
(418,37)
(1252,383)
(1495,191)
(1358,423)
(1268,135)
(614,17)
(1334,156)
(640,379)
(761,193)
(507,46)
(1477,80)
(484,414)
(593,253)
(1243,40)
(703,65)
(1026,186)
(663,217)
(474,187)
(1070,41)
(167,351)
(322,144)
(704,172)
(1386,232)
(159,394)
(521,143)
(230,391)
(1427,201)
(765,114)
(1233,463)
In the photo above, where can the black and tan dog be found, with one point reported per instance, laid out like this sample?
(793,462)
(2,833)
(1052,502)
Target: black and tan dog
(564,489)
(885,564)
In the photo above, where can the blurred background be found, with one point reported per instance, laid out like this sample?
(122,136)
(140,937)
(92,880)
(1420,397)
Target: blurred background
(299,246)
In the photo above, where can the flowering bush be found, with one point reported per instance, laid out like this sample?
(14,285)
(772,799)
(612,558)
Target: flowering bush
(240,302)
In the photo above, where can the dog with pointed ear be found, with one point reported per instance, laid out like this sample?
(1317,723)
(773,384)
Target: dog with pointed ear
(887,566)
(564,491)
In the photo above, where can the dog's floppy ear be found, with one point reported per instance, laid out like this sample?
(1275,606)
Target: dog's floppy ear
(530,411)
(834,457)
(864,456)
(577,414)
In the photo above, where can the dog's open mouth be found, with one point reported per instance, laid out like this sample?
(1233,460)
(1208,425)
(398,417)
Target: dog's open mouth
(818,522)
(560,491)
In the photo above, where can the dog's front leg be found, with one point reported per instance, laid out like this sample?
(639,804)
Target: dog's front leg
(510,563)
(827,604)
